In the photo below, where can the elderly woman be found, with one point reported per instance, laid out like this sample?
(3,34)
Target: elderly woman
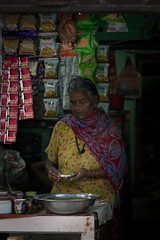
(86,144)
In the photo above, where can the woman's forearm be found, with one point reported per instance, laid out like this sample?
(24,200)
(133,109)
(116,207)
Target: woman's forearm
(97,173)
(49,165)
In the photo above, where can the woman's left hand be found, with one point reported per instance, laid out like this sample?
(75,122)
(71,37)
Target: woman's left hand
(79,174)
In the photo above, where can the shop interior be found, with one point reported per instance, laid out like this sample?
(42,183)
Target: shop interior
(138,42)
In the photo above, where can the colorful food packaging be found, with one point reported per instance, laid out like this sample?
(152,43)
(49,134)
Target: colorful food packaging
(11,21)
(88,70)
(67,49)
(84,41)
(28,46)
(25,85)
(47,22)
(23,61)
(51,107)
(116,22)
(51,68)
(103,90)
(28,22)
(102,53)
(47,47)
(102,72)
(33,67)
(51,88)
(19,206)
(87,20)
(10,45)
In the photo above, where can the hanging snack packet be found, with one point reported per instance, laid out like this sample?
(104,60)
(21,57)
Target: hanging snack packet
(25,85)
(102,53)
(51,68)
(87,20)
(25,73)
(3,113)
(67,49)
(28,110)
(5,75)
(10,45)
(47,47)
(28,22)
(23,61)
(33,67)
(13,86)
(12,110)
(13,98)
(27,97)
(11,21)
(14,74)
(7,60)
(28,46)
(116,23)
(51,88)
(87,57)
(47,22)
(84,40)
(10,136)
(4,101)
(102,72)
(103,90)
(4,88)
(88,70)
(51,107)
(14,63)
(12,122)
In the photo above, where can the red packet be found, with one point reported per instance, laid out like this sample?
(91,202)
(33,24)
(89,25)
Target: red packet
(4,100)
(13,98)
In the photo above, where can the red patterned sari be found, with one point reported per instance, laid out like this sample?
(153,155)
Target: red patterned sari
(102,135)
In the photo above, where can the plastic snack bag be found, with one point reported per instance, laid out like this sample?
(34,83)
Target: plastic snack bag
(102,53)
(102,72)
(11,21)
(47,46)
(129,81)
(116,23)
(51,88)
(51,107)
(28,22)
(103,90)
(51,68)
(47,22)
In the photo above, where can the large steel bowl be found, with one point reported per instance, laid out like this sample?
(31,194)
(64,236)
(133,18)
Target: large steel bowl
(67,203)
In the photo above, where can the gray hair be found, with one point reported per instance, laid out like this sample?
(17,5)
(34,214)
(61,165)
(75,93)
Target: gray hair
(80,83)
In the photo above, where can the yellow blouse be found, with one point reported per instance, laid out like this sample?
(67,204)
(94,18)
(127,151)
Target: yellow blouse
(62,150)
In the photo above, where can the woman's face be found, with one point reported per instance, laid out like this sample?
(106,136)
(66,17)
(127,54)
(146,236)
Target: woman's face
(81,104)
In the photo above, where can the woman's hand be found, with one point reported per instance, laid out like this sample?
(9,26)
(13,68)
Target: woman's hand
(79,174)
(53,174)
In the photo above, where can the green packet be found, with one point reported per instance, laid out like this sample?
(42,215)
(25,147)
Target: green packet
(86,20)
(114,17)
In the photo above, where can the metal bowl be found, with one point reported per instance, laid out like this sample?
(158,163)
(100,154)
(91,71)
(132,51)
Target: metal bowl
(67,203)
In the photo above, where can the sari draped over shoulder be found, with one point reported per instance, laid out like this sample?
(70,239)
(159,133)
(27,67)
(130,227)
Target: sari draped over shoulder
(102,135)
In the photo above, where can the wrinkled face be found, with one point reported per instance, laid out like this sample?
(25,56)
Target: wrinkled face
(81,104)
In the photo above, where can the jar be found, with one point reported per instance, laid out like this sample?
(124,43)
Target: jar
(19,206)
(30,201)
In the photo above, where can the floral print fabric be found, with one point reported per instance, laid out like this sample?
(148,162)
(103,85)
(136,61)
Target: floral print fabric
(62,150)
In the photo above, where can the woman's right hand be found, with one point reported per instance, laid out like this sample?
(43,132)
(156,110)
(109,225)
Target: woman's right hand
(53,174)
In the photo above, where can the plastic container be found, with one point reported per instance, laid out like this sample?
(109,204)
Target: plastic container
(5,206)
(117,101)
(20,206)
